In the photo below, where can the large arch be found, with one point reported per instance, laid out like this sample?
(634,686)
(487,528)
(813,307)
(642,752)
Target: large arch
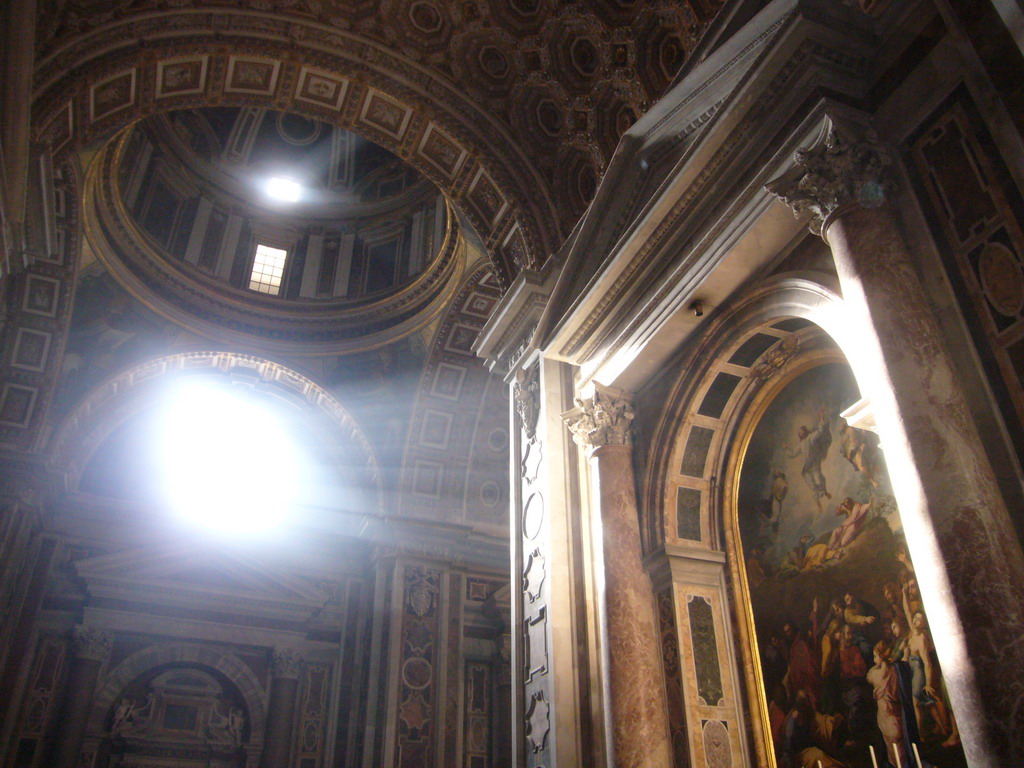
(138,64)
(131,391)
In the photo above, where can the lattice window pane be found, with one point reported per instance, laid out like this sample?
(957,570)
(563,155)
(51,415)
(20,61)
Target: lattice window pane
(268,269)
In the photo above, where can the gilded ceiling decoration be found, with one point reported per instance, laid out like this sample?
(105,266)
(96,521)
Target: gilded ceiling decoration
(512,108)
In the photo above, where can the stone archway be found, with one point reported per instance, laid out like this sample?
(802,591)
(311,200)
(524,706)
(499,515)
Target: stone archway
(684,491)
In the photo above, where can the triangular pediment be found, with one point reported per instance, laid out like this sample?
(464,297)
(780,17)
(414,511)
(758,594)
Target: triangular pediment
(197,577)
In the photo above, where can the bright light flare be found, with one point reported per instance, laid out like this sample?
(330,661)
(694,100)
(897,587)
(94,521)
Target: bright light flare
(229,462)
(285,190)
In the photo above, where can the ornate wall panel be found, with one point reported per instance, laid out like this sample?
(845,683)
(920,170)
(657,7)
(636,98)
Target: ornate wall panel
(532,561)
(456,464)
(316,682)
(976,216)
(713,706)
(478,715)
(420,714)
(38,314)
(40,700)
(673,678)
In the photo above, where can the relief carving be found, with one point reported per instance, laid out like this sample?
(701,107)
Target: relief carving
(526,394)
(605,418)
(776,358)
(287,663)
(538,721)
(91,642)
(842,170)
(533,575)
(421,587)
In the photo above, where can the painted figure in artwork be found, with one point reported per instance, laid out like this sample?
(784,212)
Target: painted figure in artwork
(855,448)
(844,533)
(808,735)
(885,688)
(813,448)
(928,703)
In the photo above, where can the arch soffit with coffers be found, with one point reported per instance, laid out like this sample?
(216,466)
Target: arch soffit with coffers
(225,662)
(104,80)
(811,297)
(130,392)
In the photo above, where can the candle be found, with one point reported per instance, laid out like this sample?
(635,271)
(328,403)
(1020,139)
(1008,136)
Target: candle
(896,751)
(917,755)
(874,762)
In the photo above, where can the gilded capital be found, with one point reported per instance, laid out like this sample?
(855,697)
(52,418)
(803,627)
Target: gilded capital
(90,642)
(605,418)
(842,170)
(287,663)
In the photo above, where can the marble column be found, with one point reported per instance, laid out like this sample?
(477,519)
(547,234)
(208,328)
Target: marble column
(90,649)
(284,690)
(636,689)
(962,542)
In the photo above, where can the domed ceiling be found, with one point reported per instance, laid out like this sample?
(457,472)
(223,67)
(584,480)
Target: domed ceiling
(265,227)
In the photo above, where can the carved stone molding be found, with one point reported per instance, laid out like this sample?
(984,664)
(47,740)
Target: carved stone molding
(538,722)
(92,643)
(847,168)
(526,392)
(605,418)
(287,663)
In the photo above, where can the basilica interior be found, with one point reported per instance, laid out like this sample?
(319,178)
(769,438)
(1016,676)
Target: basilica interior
(511,383)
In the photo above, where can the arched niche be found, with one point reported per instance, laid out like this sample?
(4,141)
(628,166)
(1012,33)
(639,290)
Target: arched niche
(162,657)
(701,516)
(132,392)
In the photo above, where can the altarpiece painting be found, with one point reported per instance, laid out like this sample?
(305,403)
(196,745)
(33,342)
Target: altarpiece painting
(847,660)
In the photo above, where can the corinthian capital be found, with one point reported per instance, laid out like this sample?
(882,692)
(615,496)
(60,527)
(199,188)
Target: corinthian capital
(287,663)
(89,642)
(846,168)
(605,418)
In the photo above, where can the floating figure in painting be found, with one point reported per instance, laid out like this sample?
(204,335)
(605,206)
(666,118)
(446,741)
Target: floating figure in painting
(771,508)
(755,571)
(856,514)
(808,734)
(780,487)
(813,447)
(884,681)
(856,450)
